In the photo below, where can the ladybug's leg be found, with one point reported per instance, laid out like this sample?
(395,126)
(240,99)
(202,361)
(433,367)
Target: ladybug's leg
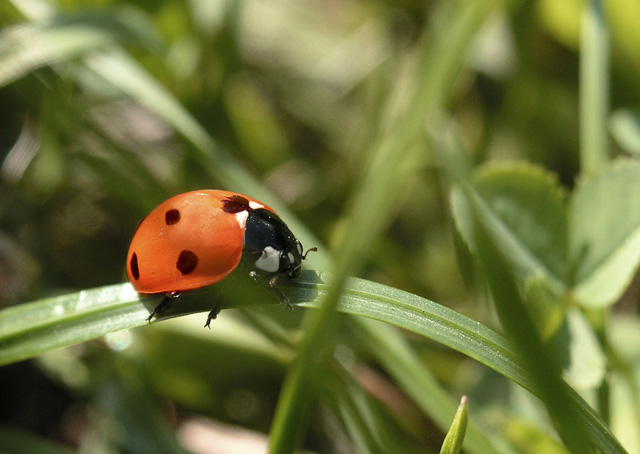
(213,314)
(284,299)
(163,304)
(273,286)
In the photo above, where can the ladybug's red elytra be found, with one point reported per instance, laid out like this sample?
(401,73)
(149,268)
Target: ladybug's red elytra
(197,238)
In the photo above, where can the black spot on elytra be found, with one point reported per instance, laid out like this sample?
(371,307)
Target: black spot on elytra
(133,265)
(235,204)
(187,262)
(172,217)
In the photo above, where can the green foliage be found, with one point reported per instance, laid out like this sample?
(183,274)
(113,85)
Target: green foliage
(509,263)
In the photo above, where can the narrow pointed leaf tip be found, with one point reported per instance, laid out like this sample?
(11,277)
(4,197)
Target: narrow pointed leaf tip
(453,441)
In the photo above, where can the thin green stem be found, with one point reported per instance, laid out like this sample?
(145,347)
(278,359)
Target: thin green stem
(594,87)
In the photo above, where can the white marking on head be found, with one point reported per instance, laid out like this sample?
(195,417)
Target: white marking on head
(255,205)
(242,217)
(269,260)
(291,257)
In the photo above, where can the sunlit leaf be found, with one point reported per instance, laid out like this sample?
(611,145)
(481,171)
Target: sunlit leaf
(604,234)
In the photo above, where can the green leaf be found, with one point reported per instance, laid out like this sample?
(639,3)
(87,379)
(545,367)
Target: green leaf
(523,207)
(568,334)
(599,243)
(584,363)
(455,436)
(604,234)
(532,205)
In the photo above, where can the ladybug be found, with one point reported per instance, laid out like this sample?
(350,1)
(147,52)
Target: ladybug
(198,238)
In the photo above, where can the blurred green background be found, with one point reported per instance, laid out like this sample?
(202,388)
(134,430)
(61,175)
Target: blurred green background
(111,107)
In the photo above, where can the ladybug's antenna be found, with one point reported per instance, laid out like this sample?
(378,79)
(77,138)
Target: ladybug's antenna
(314,249)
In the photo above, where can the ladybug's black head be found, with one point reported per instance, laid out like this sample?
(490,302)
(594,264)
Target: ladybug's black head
(269,246)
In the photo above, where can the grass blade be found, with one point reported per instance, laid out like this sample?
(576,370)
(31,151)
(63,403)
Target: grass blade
(35,328)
